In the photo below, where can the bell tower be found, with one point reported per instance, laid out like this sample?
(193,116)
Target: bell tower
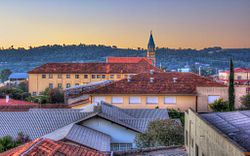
(151,49)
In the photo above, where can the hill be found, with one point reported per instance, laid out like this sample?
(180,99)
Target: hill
(23,60)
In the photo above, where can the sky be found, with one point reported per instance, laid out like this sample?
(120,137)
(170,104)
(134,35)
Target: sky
(126,23)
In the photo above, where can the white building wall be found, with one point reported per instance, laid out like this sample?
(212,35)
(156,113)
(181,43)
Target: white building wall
(119,134)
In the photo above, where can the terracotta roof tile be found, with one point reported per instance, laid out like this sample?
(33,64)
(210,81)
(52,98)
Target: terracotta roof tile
(140,67)
(239,70)
(48,147)
(127,59)
(13,102)
(163,83)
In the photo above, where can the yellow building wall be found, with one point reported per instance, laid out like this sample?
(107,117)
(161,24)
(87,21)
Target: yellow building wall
(237,76)
(209,141)
(38,84)
(182,102)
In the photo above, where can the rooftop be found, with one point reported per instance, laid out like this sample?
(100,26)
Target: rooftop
(58,124)
(102,68)
(13,102)
(18,76)
(49,147)
(126,59)
(157,83)
(239,70)
(235,125)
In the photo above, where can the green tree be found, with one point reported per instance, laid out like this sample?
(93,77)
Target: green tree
(245,101)
(56,95)
(4,75)
(219,106)
(231,96)
(161,133)
(176,114)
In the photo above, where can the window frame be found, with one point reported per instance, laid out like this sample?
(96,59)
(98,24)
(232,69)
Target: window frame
(150,102)
(170,103)
(44,76)
(67,76)
(121,102)
(134,102)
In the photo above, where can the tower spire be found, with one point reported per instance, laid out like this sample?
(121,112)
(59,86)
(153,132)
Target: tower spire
(151,49)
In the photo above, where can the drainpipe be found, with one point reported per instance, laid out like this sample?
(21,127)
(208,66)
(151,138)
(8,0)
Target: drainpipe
(196,103)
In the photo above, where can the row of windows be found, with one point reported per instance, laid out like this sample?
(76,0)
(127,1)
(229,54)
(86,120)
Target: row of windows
(59,85)
(77,76)
(137,100)
(149,99)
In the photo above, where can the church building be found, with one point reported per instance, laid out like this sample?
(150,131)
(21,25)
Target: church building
(151,58)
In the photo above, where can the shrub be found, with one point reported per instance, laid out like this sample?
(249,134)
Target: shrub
(161,133)
(219,106)
(245,101)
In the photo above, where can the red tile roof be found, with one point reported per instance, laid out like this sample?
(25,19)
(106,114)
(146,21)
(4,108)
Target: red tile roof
(163,83)
(51,148)
(102,68)
(239,70)
(13,102)
(127,59)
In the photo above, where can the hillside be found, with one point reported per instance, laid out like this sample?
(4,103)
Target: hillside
(22,60)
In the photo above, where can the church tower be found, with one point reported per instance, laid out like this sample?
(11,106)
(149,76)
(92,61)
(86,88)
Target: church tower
(151,49)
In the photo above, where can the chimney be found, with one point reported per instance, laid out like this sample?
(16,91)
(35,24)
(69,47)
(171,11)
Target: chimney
(151,71)
(7,98)
(174,79)
(151,79)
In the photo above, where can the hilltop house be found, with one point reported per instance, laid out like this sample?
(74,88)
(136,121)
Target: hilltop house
(217,134)
(241,76)
(115,127)
(164,90)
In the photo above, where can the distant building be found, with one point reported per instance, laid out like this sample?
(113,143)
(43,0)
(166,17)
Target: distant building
(66,75)
(100,127)
(217,134)
(17,77)
(151,58)
(164,90)
(241,76)
(184,70)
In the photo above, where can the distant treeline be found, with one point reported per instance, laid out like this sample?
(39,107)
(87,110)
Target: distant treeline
(23,60)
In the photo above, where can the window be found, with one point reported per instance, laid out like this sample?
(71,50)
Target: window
(212,98)
(103,76)
(50,76)
(196,150)
(170,100)
(98,76)
(125,76)
(77,84)
(59,85)
(44,76)
(98,99)
(239,77)
(93,76)
(121,146)
(118,76)
(111,76)
(152,100)
(134,100)
(86,76)
(59,76)
(67,85)
(68,76)
(34,93)
(77,76)
(186,137)
(51,86)
(117,100)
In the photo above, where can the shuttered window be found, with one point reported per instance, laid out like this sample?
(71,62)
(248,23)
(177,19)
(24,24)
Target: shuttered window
(134,100)
(212,98)
(170,100)
(152,100)
(98,99)
(117,100)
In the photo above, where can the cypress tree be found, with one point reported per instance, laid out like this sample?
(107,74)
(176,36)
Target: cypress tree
(231,96)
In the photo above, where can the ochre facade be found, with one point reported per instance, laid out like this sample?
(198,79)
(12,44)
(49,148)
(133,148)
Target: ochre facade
(39,82)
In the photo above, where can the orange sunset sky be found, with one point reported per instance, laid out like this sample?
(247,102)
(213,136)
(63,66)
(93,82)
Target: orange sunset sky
(126,24)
